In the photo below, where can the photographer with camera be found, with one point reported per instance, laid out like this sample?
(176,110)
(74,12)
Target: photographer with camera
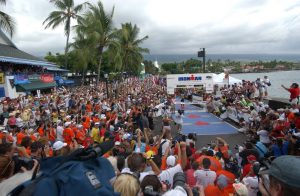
(174,166)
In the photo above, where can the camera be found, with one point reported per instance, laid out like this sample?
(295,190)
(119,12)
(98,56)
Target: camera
(27,163)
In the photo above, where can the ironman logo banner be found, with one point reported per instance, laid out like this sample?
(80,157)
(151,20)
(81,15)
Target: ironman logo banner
(190,78)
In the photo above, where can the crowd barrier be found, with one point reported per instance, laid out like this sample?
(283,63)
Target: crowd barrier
(234,114)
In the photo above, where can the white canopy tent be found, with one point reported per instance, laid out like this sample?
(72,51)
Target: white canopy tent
(220,79)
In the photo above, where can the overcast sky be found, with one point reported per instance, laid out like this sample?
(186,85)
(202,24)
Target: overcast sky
(177,26)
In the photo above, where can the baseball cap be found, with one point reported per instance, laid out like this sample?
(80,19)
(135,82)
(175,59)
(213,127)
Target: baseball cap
(222,181)
(59,145)
(171,161)
(278,170)
(67,123)
(117,143)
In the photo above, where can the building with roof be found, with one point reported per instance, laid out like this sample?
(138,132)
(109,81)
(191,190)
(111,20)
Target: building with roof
(23,73)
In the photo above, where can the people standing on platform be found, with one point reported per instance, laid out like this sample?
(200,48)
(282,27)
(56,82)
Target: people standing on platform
(267,83)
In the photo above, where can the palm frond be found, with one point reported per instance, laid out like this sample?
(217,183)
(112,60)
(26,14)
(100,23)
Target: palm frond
(7,23)
(60,4)
(3,2)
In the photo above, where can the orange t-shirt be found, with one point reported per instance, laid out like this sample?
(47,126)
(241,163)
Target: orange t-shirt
(2,135)
(88,108)
(20,136)
(33,138)
(27,150)
(215,163)
(96,119)
(212,190)
(230,176)
(86,125)
(52,135)
(163,163)
(291,117)
(68,135)
(80,137)
(153,148)
(41,131)
(224,150)
(97,108)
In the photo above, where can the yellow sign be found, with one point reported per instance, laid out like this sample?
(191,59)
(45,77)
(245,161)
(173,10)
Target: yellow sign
(2,81)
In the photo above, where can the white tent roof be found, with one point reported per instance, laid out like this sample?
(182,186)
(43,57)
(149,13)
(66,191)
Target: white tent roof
(219,79)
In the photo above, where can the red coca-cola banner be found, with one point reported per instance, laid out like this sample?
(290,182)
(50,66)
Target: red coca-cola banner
(47,78)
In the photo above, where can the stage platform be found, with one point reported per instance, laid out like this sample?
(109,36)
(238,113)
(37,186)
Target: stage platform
(197,120)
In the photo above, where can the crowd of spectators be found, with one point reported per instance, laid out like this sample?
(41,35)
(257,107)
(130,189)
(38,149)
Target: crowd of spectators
(147,159)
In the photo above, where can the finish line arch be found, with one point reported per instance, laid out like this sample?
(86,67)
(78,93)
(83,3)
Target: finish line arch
(194,80)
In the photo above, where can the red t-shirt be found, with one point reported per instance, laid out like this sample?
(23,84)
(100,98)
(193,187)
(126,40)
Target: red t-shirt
(297,123)
(294,93)
(190,178)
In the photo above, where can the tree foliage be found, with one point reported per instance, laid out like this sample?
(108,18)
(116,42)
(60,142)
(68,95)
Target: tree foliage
(66,11)
(99,46)
(7,23)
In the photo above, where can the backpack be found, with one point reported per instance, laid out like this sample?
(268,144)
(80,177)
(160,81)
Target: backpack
(159,152)
(68,176)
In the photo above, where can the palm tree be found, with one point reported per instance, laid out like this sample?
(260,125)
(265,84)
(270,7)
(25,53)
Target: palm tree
(7,23)
(131,52)
(65,13)
(84,53)
(98,26)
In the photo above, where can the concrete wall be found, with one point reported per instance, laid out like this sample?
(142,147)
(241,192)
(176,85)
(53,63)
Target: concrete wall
(9,90)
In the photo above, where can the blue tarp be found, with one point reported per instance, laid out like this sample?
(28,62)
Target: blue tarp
(62,81)
(68,81)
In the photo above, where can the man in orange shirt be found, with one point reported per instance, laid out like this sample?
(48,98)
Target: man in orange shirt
(80,134)
(218,189)
(68,134)
(20,136)
(222,147)
(96,118)
(88,107)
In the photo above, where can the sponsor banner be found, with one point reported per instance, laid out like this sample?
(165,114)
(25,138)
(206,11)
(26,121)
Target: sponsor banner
(195,80)
(21,79)
(34,77)
(47,78)
(2,81)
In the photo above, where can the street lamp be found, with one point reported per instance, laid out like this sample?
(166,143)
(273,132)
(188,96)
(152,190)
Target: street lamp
(106,81)
(201,53)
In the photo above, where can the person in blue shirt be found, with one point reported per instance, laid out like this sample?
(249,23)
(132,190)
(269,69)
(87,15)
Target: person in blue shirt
(277,148)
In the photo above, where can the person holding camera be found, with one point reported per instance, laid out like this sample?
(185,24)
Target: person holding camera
(174,166)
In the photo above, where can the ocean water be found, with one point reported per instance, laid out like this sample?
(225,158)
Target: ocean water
(276,78)
(234,57)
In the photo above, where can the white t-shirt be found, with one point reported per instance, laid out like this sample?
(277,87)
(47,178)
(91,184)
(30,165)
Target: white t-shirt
(59,131)
(165,145)
(167,175)
(205,177)
(252,185)
(142,174)
(264,136)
